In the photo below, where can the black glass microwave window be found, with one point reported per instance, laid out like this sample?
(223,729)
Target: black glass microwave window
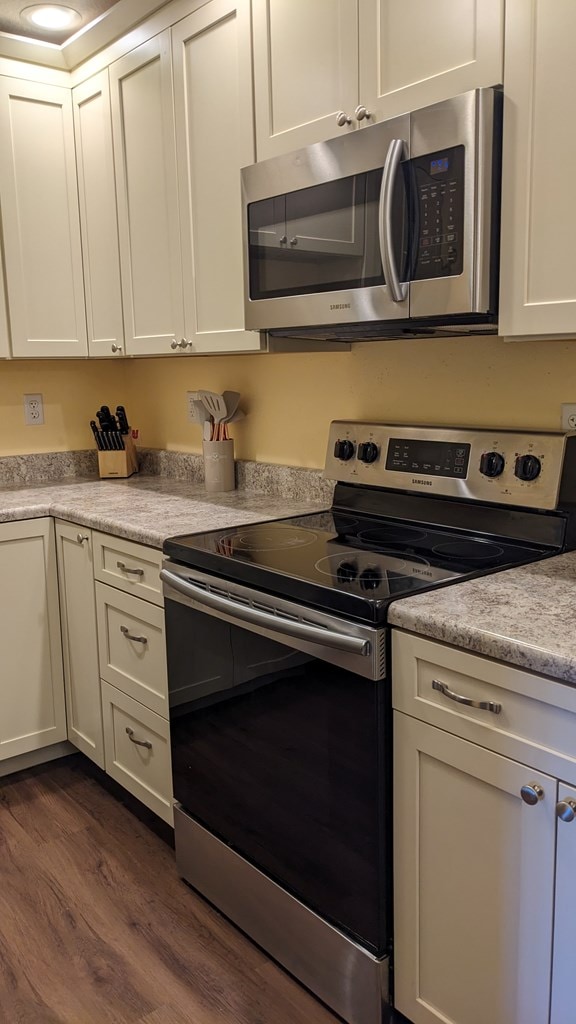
(438,208)
(322,239)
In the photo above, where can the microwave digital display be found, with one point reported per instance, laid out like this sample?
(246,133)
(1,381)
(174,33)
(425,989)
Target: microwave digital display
(440,165)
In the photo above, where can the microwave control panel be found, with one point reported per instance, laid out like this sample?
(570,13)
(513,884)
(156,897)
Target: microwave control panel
(438,182)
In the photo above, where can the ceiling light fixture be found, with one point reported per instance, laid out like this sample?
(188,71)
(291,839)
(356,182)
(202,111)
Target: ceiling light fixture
(53,17)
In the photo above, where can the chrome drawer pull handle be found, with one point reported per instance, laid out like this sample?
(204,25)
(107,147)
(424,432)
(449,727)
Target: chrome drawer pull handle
(139,743)
(126,568)
(130,636)
(482,705)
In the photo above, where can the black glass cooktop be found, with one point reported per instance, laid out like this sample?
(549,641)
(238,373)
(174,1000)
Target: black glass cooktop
(345,563)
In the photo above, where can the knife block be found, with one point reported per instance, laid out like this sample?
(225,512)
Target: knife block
(119,464)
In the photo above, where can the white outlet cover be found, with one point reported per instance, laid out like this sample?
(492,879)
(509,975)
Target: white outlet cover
(33,410)
(191,397)
(569,416)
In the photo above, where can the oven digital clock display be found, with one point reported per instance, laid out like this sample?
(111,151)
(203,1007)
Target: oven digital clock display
(428,458)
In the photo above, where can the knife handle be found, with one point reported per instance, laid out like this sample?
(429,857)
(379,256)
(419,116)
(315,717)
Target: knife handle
(122,419)
(96,433)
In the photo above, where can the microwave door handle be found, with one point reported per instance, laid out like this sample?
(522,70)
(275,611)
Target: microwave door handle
(288,627)
(398,289)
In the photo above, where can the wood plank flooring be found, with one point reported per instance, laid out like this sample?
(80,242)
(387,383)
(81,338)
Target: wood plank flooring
(96,927)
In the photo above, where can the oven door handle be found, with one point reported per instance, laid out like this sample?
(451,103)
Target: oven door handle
(245,613)
(398,289)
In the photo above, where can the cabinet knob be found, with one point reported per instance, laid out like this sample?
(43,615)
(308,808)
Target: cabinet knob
(283,239)
(532,793)
(360,113)
(294,241)
(116,348)
(566,810)
(81,537)
(184,343)
(342,119)
(174,344)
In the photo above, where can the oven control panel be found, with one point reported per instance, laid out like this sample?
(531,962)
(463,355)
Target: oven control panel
(503,467)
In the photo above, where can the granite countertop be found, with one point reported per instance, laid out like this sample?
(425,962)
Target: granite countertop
(146,509)
(524,616)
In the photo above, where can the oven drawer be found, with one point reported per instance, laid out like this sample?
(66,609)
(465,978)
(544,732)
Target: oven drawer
(128,566)
(137,750)
(132,647)
(536,723)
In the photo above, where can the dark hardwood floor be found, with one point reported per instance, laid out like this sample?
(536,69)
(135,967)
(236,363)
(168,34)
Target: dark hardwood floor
(96,927)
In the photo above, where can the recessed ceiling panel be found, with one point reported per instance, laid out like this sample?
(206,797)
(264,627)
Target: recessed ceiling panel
(12,22)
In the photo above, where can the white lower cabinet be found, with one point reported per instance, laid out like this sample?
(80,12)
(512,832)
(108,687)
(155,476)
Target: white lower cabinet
(32,709)
(474,882)
(137,744)
(79,640)
(484,839)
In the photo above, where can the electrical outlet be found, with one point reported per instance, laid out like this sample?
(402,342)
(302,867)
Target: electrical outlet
(33,410)
(191,397)
(568,416)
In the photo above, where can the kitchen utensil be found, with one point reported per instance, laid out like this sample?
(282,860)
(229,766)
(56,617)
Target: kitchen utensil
(96,433)
(207,429)
(231,399)
(215,405)
(122,419)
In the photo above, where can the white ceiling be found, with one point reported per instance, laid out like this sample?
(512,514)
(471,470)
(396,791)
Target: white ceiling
(13,24)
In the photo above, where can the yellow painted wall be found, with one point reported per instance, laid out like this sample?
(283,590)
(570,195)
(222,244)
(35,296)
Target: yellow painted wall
(72,391)
(290,399)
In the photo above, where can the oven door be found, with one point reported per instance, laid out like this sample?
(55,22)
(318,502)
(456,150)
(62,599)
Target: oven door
(325,232)
(282,755)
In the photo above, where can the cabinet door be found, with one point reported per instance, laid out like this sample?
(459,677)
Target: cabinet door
(146,182)
(562,1009)
(32,711)
(305,71)
(79,640)
(537,282)
(99,223)
(40,220)
(474,878)
(215,138)
(414,54)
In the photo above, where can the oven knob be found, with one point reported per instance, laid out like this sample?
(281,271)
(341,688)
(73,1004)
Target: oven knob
(527,467)
(346,572)
(343,450)
(492,464)
(370,578)
(368,451)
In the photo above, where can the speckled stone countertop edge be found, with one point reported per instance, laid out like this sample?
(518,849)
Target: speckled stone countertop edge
(147,510)
(523,617)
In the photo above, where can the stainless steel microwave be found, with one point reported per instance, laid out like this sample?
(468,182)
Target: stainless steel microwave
(389,231)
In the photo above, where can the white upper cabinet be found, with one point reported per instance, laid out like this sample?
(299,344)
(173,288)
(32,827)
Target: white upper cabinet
(537,283)
(305,71)
(99,223)
(215,138)
(332,66)
(146,183)
(40,220)
(413,54)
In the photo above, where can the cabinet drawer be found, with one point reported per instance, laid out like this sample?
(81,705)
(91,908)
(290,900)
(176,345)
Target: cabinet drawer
(132,648)
(137,750)
(536,722)
(128,566)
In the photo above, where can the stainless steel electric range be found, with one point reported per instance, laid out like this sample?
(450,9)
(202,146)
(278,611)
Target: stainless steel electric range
(279,680)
